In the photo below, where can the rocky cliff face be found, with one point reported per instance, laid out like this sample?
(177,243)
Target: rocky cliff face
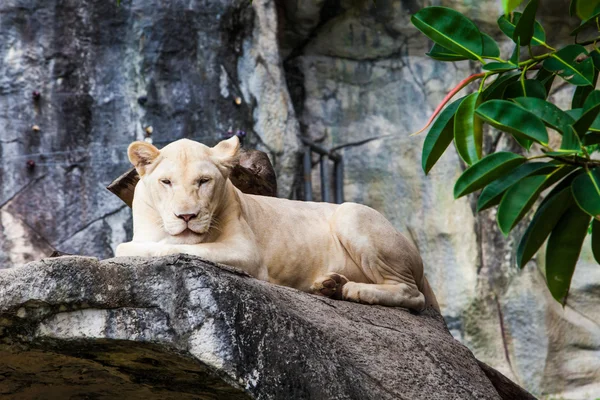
(180,328)
(354,70)
(105,74)
(358,70)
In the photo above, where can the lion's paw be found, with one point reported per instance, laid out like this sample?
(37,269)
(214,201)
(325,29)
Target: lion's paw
(165,250)
(329,285)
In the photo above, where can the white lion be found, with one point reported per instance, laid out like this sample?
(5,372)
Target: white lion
(185,203)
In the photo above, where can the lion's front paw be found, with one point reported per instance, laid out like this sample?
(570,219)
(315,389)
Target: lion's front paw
(165,250)
(121,250)
(329,285)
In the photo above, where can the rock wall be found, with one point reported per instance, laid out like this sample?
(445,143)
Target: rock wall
(104,75)
(357,70)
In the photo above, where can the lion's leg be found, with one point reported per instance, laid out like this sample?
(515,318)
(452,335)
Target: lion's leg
(241,254)
(329,285)
(392,294)
(136,249)
(391,267)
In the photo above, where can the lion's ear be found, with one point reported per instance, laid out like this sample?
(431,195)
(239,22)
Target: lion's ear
(142,155)
(226,153)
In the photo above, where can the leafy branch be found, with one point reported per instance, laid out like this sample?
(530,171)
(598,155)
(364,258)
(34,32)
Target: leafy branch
(516,103)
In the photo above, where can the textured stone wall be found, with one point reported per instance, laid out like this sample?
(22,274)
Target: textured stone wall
(105,74)
(359,71)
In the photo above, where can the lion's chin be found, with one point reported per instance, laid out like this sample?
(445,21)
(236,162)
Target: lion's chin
(187,236)
(191,232)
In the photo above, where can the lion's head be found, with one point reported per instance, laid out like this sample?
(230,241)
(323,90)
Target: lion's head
(185,182)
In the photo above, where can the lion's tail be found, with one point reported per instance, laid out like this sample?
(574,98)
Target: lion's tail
(430,299)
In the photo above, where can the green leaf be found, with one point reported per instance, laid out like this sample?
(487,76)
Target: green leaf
(591,100)
(575,113)
(516,54)
(441,53)
(545,219)
(582,125)
(563,249)
(510,5)
(570,140)
(591,138)
(526,88)
(439,137)
(468,130)
(561,153)
(490,47)
(520,197)
(485,171)
(586,191)
(549,113)
(584,9)
(492,194)
(509,117)
(523,32)
(518,200)
(558,174)
(497,88)
(507,26)
(581,93)
(588,22)
(525,143)
(596,240)
(569,174)
(565,63)
(595,54)
(450,29)
(546,77)
(499,66)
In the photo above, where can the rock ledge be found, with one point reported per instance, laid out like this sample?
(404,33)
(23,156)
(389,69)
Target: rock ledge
(179,327)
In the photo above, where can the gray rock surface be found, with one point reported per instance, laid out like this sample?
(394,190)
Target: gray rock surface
(358,70)
(105,74)
(178,328)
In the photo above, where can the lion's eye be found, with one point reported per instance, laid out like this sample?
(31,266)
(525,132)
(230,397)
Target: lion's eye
(165,182)
(202,181)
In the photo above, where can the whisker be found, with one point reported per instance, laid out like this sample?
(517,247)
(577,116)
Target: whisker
(216,224)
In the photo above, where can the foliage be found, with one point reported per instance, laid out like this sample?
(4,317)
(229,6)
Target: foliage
(516,103)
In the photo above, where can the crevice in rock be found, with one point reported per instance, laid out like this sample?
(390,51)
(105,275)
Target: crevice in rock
(293,74)
(596,323)
(21,190)
(504,338)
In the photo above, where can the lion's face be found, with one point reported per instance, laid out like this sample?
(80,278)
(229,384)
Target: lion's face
(185,183)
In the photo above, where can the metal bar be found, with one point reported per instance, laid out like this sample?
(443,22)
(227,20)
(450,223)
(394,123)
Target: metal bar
(339,180)
(319,150)
(307,169)
(324,179)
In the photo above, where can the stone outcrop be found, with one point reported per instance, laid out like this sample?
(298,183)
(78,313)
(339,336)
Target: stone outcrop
(180,328)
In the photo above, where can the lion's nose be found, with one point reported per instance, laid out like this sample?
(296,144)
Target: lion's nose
(186,217)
